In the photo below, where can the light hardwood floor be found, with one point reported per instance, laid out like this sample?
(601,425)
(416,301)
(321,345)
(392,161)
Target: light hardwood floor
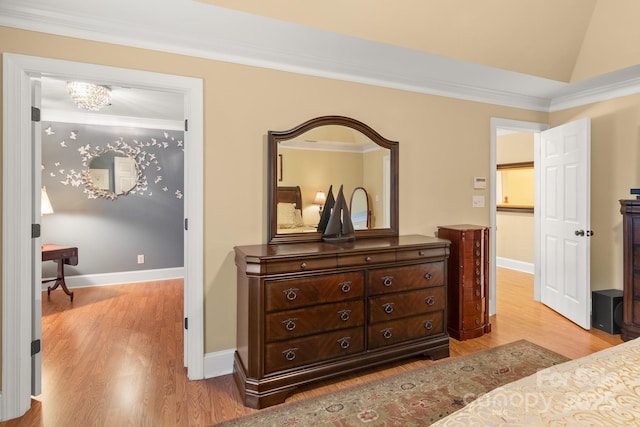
(114,356)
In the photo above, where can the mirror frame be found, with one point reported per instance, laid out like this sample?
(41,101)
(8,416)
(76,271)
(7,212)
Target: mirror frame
(274,137)
(88,180)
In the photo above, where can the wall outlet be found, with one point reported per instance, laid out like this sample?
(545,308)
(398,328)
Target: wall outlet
(140,259)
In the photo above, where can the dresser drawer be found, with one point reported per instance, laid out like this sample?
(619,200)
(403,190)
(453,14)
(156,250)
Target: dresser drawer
(418,254)
(473,314)
(300,292)
(406,278)
(394,306)
(300,264)
(366,259)
(311,320)
(396,331)
(301,351)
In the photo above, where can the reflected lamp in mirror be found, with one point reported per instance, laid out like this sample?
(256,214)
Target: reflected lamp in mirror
(320,199)
(45,203)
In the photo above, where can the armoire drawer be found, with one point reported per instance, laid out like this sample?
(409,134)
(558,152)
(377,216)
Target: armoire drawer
(474,293)
(301,351)
(292,293)
(312,320)
(397,331)
(395,306)
(397,279)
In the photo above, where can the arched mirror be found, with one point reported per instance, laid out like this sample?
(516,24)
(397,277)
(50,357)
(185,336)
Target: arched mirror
(329,151)
(111,172)
(359,209)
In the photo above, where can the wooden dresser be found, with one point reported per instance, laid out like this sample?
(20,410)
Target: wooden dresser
(468,280)
(630,328)
(315,310)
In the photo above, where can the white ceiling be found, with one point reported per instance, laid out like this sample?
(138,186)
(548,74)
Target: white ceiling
(488,47)
(129,106)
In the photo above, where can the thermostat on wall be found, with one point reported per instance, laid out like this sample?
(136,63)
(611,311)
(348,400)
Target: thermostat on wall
(479,182)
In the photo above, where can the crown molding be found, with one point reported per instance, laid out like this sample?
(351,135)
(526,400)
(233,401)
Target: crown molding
(196,29)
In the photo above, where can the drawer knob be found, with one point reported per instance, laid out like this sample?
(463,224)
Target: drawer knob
(477,243)
(430,300)
(345,287)
(428,324)
(477,292)
(387,307)
(386,333)
(368,259)
(477,321)
(291,293)
(477,280)
(344,342)
(290,354)
(344,315)
(420,253)
(387,281)
(477,253)
(303,265)
(428,276)
(477,307)
(289,324)
(477,271)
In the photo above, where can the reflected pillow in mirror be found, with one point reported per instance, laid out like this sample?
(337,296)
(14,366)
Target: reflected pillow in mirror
(297,216)
(286,215)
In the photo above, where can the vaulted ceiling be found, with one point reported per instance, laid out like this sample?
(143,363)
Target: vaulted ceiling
(543,55)
(537,37)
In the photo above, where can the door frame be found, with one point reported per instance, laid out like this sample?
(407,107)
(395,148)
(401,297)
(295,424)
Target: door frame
(516,126)
(17,208)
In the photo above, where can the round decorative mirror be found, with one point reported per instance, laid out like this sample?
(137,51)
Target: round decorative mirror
(111,172)
(330,151)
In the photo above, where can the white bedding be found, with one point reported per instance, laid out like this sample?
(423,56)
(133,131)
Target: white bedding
(602,389)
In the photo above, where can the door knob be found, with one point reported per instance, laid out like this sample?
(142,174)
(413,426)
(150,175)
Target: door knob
(579,232)
(589,232)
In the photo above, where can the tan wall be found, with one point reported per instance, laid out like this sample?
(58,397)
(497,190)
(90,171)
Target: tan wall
(514,236)
(611,40)
(444,143)
(615,160)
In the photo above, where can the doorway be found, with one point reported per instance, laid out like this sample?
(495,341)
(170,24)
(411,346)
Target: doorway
(502,126)
(18,208)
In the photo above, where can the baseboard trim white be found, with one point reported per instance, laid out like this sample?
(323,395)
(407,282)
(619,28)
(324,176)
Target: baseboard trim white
(513,264)
(218,363)
(119,278)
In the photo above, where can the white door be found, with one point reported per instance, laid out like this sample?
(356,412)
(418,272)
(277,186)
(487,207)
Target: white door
(36,250)
(125,174)
(564,174)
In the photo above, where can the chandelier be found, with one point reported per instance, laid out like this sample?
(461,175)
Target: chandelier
(89,96)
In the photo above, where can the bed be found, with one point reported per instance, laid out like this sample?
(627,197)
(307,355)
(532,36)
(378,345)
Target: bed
(600,389)
(289,210)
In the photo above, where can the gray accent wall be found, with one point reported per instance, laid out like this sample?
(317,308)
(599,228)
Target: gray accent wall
(110,234)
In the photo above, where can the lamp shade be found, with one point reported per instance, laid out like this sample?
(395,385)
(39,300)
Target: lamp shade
(45,203)
(320,198)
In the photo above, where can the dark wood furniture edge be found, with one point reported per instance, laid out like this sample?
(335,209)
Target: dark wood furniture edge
(274,389)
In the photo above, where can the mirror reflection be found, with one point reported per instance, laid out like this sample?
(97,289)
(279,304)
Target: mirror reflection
(515,187)
(332,154)
(111,173)
(359,208)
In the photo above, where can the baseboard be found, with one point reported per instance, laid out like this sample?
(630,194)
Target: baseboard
(120,278)
(513,264)
(218,363)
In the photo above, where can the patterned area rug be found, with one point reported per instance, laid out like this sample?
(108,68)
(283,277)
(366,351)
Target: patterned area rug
(416,398)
